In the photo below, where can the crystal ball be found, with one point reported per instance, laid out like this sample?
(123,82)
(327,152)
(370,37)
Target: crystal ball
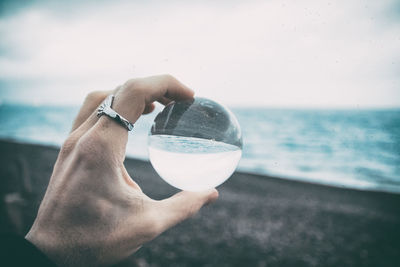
(195,144)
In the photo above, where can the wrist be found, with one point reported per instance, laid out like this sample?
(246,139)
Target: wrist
(43,243)
(57,249)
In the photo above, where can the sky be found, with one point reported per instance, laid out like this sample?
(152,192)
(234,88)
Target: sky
(275,53)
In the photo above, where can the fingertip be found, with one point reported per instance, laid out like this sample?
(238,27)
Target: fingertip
(183,205)
(212,196)
(149,108)
(191,92)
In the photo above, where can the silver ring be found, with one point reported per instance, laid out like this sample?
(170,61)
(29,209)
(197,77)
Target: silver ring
(105,109)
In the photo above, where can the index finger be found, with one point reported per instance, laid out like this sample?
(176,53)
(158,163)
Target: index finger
(136,94)
(130,102)
(159,87)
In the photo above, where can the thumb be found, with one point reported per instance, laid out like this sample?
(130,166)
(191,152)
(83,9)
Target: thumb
(183,205)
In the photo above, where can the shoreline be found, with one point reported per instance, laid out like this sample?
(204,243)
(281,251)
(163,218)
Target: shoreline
(257,221)
(241,172)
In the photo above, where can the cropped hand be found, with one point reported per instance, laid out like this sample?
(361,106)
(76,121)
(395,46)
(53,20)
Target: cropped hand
(93,213)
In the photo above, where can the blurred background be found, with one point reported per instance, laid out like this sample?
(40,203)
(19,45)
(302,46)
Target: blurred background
(314,84)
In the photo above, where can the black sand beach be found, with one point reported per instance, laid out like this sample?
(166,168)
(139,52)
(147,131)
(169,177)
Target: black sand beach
(257,221)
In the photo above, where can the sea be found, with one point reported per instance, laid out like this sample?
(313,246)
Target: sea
(354,148)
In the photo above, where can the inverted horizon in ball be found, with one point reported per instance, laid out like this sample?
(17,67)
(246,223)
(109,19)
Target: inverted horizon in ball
(195,144)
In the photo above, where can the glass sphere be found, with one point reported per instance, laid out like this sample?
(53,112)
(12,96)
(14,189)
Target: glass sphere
(195,145)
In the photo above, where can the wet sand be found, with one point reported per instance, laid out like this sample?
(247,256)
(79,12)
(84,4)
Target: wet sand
(257,221)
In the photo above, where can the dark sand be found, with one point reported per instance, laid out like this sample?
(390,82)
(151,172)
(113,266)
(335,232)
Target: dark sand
(257,221)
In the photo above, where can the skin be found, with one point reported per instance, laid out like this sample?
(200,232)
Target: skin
(93,213)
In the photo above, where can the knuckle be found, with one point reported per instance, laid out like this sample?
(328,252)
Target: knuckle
(155,226)
(136,89)
(191,210)
(91,148)
(168,77)
(136,85)
(132,83)
(68,146)
(96,96)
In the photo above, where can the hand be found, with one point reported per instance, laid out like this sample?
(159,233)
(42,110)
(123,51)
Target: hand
(93,213)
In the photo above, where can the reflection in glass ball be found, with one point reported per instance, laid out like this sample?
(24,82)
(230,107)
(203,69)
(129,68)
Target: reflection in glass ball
(195,145)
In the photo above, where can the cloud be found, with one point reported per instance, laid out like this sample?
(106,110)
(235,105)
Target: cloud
(313,53)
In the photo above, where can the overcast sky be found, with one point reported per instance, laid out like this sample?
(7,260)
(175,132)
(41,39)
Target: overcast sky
(272,53)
